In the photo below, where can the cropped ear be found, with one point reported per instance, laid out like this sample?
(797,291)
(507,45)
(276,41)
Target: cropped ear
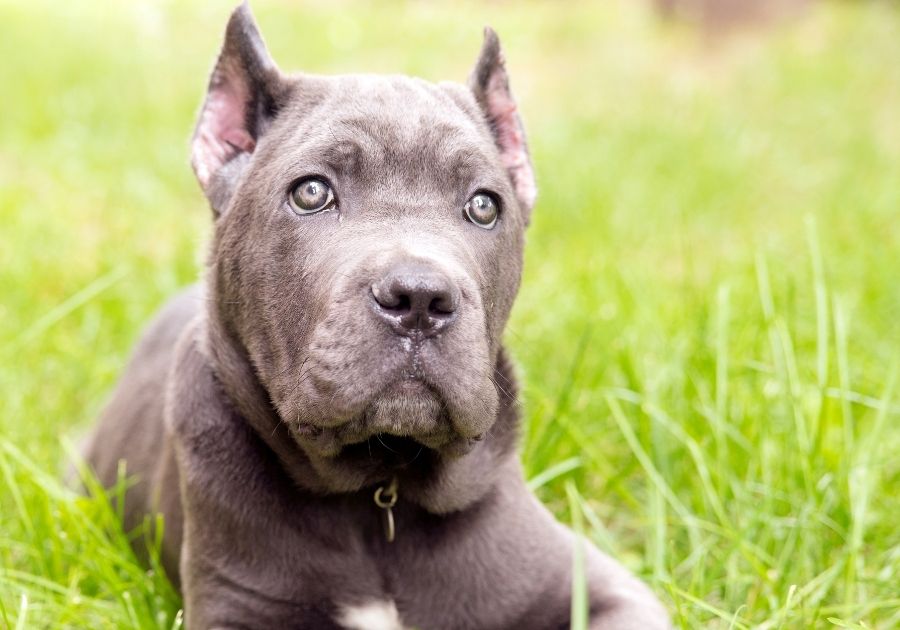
(241,101)
(490,85)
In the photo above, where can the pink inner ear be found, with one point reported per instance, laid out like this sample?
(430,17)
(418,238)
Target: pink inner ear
(221,132)
(510,138)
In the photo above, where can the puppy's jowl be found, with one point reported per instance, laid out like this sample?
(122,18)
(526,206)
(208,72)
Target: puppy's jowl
(328,422)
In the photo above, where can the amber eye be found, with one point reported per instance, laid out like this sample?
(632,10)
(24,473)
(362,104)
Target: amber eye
(482,210)
(311,195)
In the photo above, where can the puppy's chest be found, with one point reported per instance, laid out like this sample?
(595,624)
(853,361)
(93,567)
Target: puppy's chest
(400,585)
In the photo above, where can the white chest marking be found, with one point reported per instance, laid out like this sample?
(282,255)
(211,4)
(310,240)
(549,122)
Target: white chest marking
(374,615)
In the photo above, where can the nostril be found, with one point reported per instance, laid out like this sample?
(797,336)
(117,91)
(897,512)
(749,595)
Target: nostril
(390,299)
(441,305)
(403,303)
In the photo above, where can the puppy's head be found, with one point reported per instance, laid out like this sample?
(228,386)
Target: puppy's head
(368,247)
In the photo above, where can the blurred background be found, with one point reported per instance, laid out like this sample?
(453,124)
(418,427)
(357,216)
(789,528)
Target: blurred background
(707,333)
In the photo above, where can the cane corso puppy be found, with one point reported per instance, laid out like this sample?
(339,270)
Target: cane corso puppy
(328,422)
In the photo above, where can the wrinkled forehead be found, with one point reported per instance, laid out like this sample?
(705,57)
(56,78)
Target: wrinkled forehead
(387,129)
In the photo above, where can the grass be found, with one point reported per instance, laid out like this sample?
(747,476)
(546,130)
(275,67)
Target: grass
(707,331)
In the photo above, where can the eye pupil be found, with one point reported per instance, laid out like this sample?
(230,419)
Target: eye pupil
(482,210)
(311,195)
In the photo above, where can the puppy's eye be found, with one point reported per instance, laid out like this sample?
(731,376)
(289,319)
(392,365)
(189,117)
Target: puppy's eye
(310,195)
(482,210)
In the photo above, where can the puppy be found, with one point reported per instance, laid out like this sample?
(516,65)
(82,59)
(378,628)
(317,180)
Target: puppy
(328,422)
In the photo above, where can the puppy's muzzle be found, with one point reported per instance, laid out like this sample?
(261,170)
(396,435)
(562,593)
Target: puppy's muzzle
(416,299)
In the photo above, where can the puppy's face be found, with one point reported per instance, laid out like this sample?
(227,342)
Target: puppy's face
(368,247)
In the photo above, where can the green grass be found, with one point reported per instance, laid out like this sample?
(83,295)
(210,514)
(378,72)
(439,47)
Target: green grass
(707,332)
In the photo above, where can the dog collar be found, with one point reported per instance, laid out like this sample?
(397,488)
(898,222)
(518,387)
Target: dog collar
(386,499)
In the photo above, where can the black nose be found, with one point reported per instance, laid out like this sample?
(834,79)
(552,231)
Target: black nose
(416,298)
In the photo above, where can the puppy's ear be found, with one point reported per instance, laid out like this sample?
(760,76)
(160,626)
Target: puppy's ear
(241,101)
(490,85)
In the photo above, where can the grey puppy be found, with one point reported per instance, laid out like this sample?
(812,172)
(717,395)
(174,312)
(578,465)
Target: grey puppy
(328,424)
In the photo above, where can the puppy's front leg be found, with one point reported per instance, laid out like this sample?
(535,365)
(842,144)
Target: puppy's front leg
(212,600)
(245,555)
(636,614)
(618,600)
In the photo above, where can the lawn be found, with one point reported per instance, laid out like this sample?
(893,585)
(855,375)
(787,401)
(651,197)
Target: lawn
(707,332)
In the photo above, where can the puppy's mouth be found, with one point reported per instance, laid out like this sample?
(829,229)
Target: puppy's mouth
(392,452)
(403,423)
